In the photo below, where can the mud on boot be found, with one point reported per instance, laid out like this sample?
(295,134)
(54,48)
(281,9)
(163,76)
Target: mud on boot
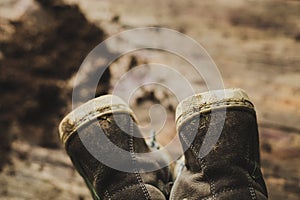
(104,143)
(218,130)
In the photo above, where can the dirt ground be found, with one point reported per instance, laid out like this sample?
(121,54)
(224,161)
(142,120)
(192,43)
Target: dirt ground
(255,45)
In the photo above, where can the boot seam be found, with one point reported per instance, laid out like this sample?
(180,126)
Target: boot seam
(213,189)
(202,165)
(200,161)
(107,195)
(123,189)
(207,107)
(142,185)
(68,125)
(211,181)
(133,158)
(226,190)
(251,188)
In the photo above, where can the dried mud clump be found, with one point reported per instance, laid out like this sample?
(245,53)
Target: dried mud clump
(47,46)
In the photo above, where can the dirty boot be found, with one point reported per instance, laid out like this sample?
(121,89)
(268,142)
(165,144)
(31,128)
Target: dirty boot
(218,130)
(105,145)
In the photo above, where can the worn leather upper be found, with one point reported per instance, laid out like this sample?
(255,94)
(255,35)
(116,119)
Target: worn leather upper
(231,169)
(105,128)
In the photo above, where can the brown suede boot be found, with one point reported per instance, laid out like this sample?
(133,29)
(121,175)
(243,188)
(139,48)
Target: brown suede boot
(219,132)
(107,149)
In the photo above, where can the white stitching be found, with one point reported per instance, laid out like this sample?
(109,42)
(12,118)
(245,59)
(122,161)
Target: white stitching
(213,189)
(194,110)
(69,126)
(106,194)
(224,191)
(136,172)
(251,189)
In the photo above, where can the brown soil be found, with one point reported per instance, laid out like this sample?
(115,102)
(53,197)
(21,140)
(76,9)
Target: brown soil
(46,48)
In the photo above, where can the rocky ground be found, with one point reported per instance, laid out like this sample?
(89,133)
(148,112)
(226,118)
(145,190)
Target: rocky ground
(255,45)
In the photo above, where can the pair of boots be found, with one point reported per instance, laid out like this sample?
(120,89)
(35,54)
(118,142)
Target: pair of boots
(217,130)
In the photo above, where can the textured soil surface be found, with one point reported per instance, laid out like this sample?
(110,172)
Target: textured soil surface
(43,43)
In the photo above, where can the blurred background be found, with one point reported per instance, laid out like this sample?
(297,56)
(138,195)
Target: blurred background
(255,45)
